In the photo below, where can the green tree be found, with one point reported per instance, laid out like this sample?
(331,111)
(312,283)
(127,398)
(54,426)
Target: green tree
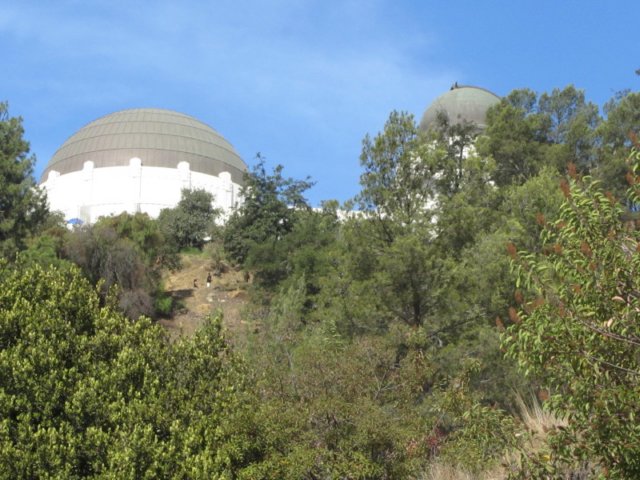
(514,138)
(86,393)
(622,118)
(148,236)
(46,247)
(396,182)
(397,201)
(572,124)
(453,153)
(304,255)
(267,214)
(190,222)
(577,330)
(23,207)
(128,252)
(526,132)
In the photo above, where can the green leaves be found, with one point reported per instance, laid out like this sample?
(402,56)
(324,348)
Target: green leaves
(23,207)
(583,339)
(396,182)
(268,212)
(86,393)
(191,221)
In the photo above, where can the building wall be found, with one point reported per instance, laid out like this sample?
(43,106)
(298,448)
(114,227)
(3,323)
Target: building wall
(95,192)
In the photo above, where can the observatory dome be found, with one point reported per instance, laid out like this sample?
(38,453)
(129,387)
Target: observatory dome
(140,160)
(461,103)
(161,138)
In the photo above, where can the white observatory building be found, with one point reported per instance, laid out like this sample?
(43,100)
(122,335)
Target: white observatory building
(139,160)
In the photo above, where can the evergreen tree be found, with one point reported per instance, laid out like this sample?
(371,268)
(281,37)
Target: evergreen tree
(191,221)
(23,207)
(268,213)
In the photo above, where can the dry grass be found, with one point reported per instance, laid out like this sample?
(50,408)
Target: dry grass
(441,471)
(227,294)
(535,420)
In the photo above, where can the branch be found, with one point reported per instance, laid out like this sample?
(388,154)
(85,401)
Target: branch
(599,360)
(615,336)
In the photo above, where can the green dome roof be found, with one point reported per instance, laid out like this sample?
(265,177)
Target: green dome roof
(161,138)
(461,103)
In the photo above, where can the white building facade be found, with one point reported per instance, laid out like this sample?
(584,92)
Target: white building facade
(140,160)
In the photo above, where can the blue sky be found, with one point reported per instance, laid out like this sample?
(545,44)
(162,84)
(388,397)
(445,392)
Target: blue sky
(300,81)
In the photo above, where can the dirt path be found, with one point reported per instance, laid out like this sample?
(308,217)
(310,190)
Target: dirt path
(227,294)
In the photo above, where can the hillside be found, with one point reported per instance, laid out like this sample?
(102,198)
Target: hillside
(227,294)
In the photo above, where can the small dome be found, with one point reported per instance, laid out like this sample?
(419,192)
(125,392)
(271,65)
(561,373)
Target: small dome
(161,138)
(461,103)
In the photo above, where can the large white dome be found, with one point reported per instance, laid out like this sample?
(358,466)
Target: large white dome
(140,160)
(162,138)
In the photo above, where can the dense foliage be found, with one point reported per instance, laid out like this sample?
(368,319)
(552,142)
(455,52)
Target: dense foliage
(127,252)
(86,393)
(191,221)
(22,207)
(578,331)
(254,233)
(371,337)
(426,257)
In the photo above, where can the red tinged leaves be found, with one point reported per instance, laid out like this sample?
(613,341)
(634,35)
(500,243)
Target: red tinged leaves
(631,179)
(538,302)
(543,395)
(513,316)
(611,197)
(518,297)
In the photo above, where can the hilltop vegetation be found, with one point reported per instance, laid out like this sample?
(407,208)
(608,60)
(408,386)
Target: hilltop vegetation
(475,269)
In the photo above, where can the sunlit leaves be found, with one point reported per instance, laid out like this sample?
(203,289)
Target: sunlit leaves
(86,393)
(583,339)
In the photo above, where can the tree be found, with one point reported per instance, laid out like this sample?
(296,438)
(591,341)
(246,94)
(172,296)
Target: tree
(526,132)
(23,207)
(301,255)
(128,252)
(191,221)
(622,118)
(268,212)
(455,146)
(411,279)
(397,200)
(514,138)
(111,261)
(577,331)
(148,236)
(572,124)
(396,183)
(86,393)
(46,247)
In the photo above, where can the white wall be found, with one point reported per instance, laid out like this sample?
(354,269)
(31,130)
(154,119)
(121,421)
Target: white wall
(95,192)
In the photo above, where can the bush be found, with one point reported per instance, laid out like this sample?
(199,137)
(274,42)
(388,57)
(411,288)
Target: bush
(86,393)
(164,305)
(578,327)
